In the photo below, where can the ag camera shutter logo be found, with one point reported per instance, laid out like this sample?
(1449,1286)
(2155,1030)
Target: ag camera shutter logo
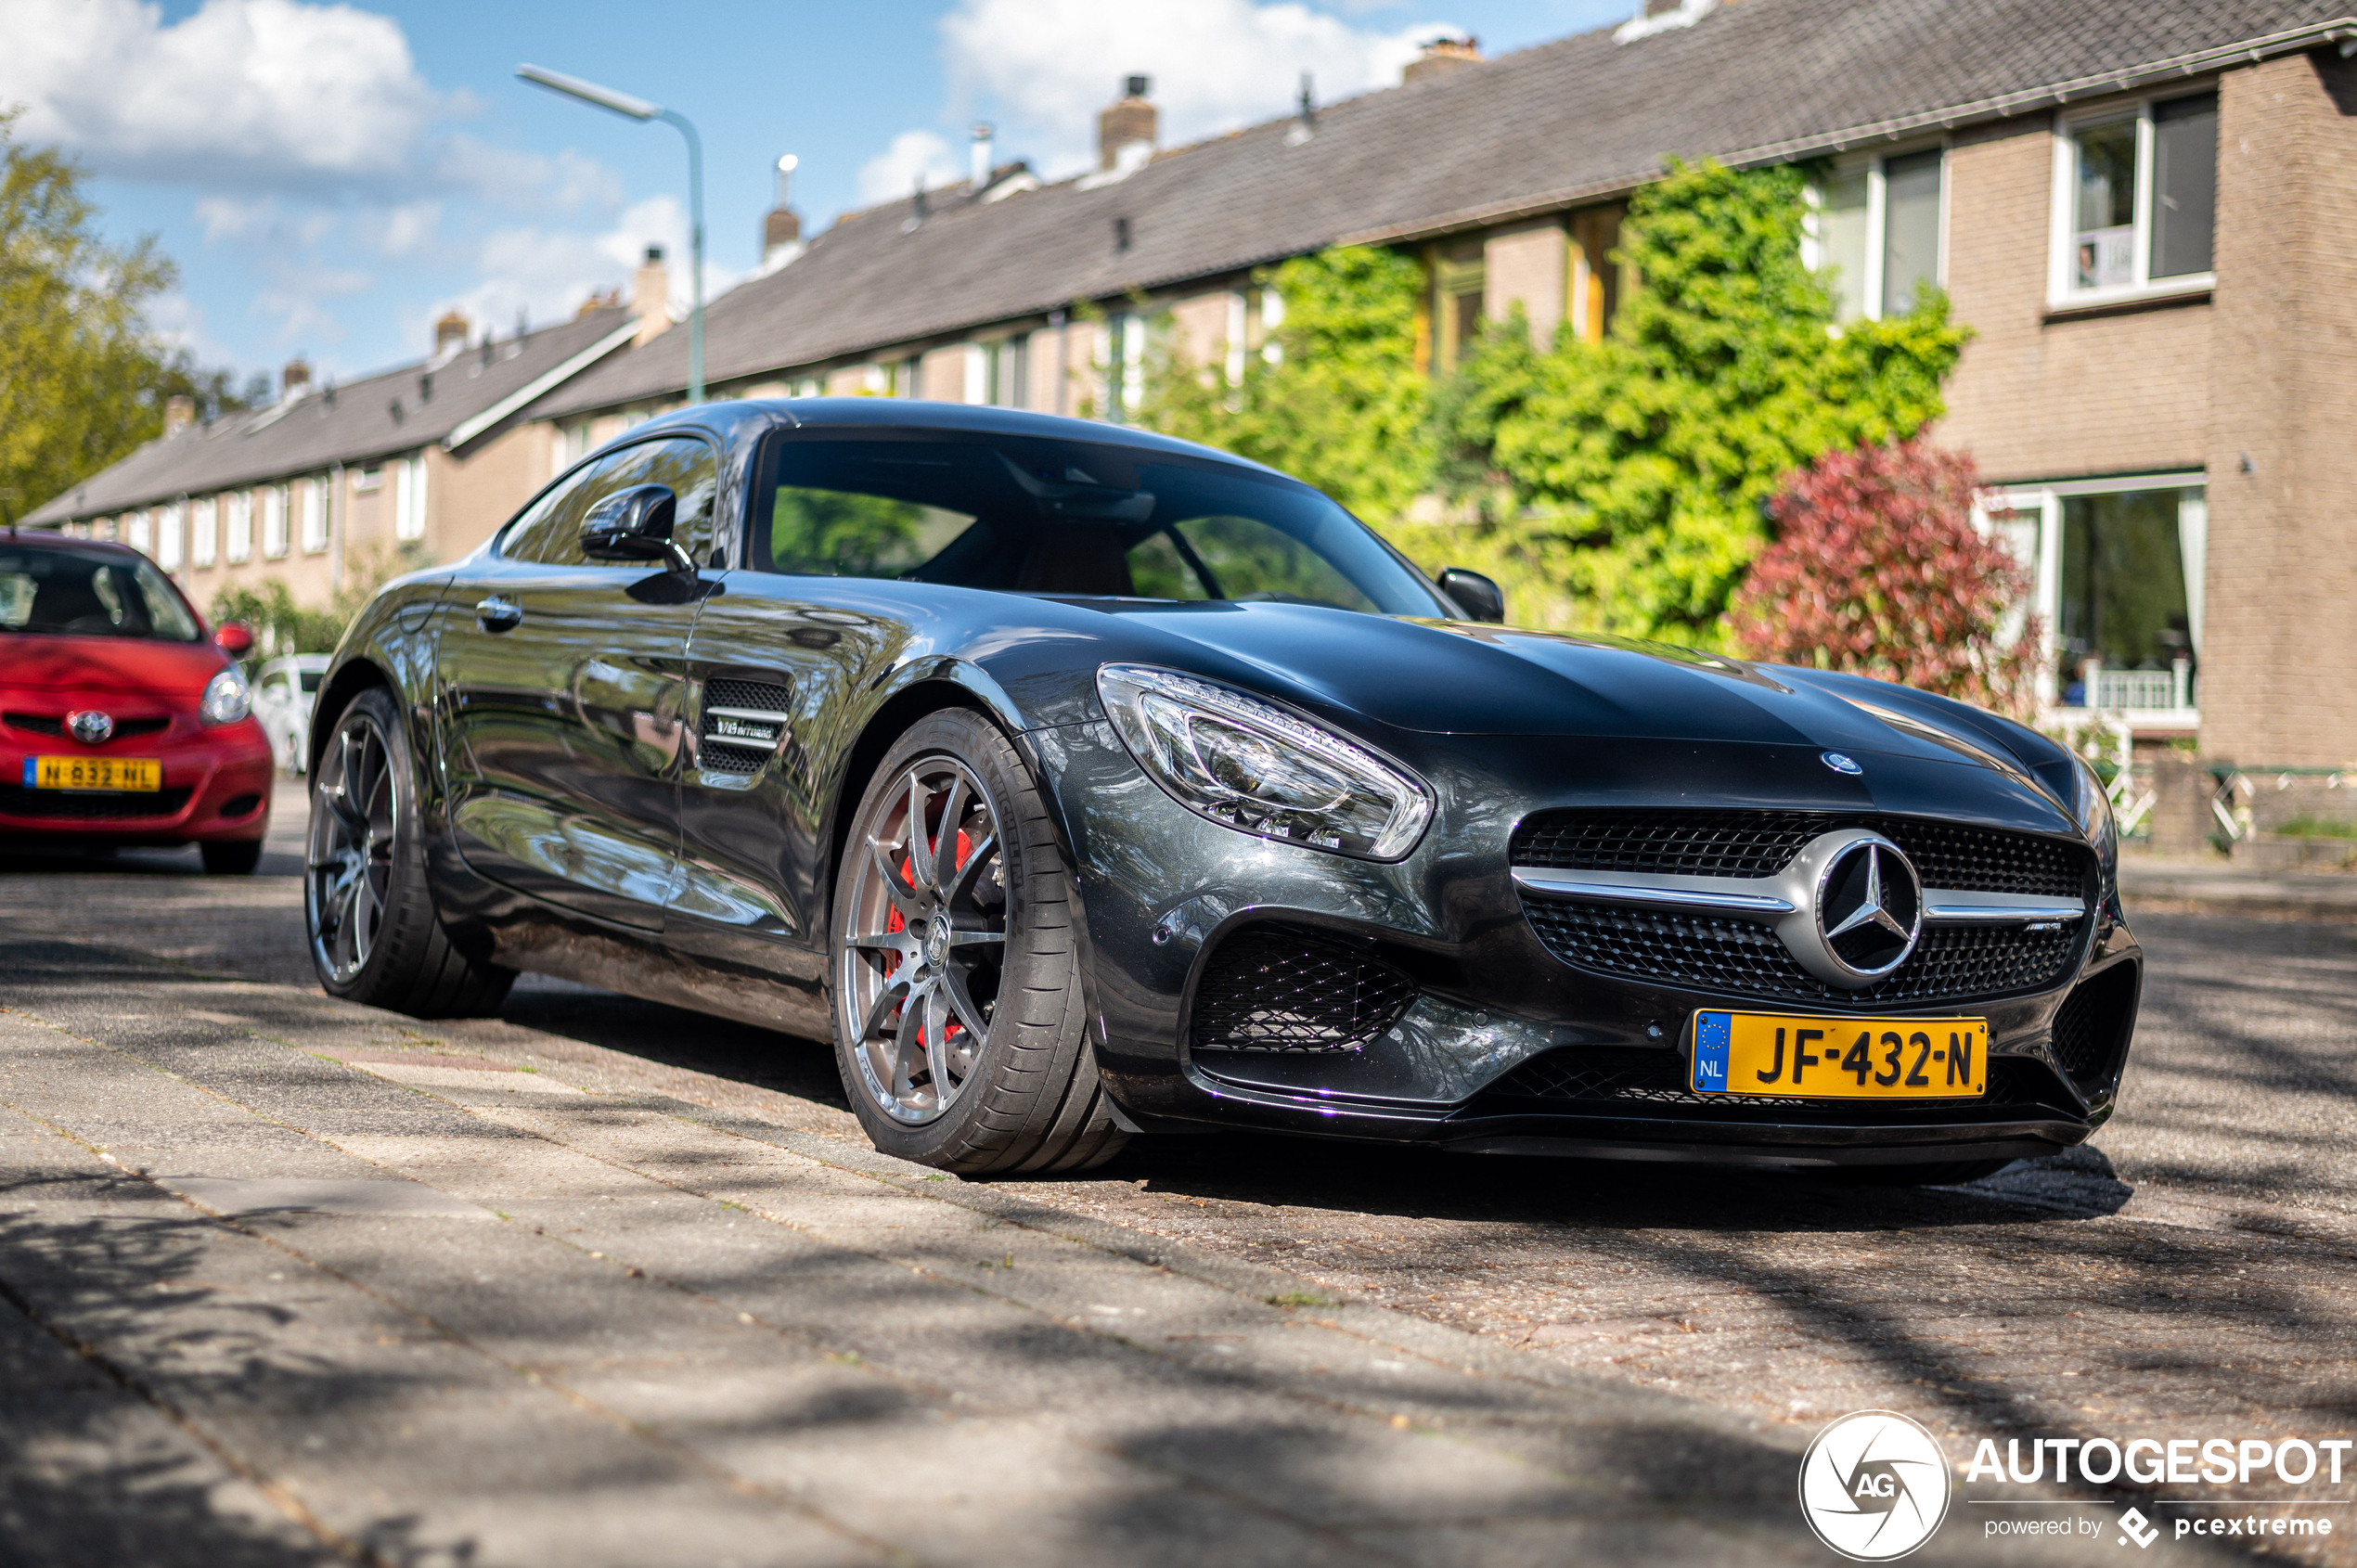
(1874,1485)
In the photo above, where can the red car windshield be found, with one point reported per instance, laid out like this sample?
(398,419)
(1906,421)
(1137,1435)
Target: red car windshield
(60,590)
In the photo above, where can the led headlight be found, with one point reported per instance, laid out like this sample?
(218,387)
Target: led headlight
(2091,805)
(226,698)
(1247,764)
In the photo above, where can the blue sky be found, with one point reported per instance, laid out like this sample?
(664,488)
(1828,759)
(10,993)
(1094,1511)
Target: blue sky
(331,179)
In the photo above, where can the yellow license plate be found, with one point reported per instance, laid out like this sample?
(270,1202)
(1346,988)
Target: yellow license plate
(1787,1056)
(92,772)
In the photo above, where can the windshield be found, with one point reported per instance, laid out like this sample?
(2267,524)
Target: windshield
(61,591)
(1070,518)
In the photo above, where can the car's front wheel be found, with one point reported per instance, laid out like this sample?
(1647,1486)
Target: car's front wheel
(959,1025)
(374,937)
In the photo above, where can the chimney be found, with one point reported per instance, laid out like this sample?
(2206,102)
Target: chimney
(1305,123)
(179,413)
(781,229)
(1129,123)
(651,297)
(978,154)
(295,379)
(1442,56)
(449,334)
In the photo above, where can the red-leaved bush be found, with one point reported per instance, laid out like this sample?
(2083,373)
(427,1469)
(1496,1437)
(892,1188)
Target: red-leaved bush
(1876,570)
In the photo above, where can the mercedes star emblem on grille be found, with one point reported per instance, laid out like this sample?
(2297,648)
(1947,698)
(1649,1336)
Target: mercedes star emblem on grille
(1868,911)
(1840,764)
(90,727)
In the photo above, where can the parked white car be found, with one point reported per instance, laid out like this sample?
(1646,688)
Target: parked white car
(282,697)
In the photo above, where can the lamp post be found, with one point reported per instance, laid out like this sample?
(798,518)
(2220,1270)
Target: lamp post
(640,109)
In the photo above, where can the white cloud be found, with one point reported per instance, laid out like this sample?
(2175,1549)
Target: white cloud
(546,273)
(895,171)
(1045,68)
(243,94)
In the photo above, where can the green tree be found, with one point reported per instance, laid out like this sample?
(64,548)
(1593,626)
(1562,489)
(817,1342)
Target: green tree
(1627,480)
(1340,404)
(79,370)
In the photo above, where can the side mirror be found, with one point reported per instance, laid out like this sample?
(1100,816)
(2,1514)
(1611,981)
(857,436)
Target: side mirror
(1480,599)
(233,639)
(634,524)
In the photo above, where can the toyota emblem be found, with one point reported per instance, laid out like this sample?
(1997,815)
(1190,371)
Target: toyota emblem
(90,727)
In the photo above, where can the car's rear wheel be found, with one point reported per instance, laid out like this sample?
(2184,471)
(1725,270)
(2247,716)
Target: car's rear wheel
(231,859)
(374,937)
(959,1025)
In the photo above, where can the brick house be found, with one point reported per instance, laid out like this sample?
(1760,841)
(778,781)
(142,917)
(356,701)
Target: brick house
(333,486)
(2142,209)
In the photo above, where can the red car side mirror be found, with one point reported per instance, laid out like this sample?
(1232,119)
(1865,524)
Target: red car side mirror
(233,639)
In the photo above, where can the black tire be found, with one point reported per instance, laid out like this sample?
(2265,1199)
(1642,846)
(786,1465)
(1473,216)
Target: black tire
(231,859)
(368,913)
(1942,1173)
(1028,1099)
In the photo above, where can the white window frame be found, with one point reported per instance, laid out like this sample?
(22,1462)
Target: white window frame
(274,521)
(314,516)
(238,544)
(170,534)
(1813,242)
(409,498)
(142,532)
(204,532)
(2063,221)
(2045,502)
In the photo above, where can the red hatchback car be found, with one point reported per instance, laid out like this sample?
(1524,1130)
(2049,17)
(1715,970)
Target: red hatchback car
(121,722)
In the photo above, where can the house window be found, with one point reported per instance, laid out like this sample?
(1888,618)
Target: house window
(2137,197)
(996,372)
(1876,232)
(168,536)
(1595,276)
(142,533)
(204,528)
(2118,568)
(1125,335)
(1460,277)
(409,498)
(314,516)
(274,521)
(240,528)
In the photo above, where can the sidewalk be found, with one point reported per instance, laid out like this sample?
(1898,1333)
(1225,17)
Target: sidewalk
(2221,887)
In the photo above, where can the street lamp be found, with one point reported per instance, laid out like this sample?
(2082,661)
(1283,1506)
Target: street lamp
(640,108)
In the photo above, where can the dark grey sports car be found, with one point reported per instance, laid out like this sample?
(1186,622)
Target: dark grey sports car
(1079,782)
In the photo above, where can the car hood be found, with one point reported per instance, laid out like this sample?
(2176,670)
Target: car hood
(1456,678)
(122,667)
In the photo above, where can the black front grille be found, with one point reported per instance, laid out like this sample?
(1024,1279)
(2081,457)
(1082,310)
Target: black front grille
(1741,958)
(46,724)
(740,745)
(2091,1027)
(1619,1080)
(65,806)
(1760,843)
(1271,990)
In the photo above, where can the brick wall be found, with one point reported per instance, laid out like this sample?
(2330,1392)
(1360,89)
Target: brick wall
(1528,264)
(2281,628)
(2035,398)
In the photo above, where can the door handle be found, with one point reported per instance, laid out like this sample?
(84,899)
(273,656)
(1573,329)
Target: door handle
(499,614)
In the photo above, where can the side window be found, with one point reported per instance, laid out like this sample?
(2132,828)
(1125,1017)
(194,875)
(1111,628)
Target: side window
(688,467)
(549,531)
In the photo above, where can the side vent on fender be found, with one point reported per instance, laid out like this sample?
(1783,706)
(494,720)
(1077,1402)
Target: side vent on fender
(744,724)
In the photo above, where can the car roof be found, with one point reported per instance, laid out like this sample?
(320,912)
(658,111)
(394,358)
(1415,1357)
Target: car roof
(46,538)
(725,418)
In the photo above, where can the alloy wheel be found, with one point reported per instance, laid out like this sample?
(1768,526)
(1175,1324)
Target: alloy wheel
(923,938)
(350,873)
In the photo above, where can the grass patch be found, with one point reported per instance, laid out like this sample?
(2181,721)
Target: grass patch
(1297,1298)
(2309,827)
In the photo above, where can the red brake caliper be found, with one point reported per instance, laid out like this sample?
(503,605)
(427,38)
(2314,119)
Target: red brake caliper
(895,922)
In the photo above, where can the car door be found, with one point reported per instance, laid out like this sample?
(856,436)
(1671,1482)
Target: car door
(562,683)
(779,664)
